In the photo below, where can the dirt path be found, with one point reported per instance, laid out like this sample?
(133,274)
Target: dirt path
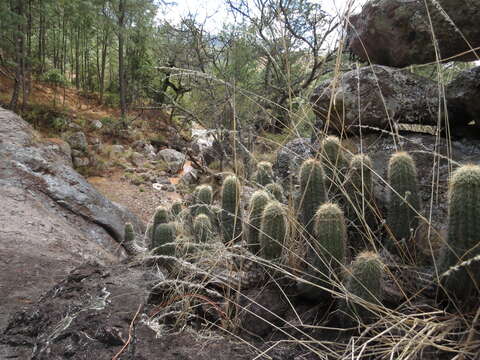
(142,201)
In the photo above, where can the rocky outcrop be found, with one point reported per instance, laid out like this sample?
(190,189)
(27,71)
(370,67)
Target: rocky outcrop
(375,97)
(51,218)
(463,94)
(291,156)
(93,312)
(173,158)
(398,33)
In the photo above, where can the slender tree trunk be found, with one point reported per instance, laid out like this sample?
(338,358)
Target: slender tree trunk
(121,58)
(19,37)
(104,62)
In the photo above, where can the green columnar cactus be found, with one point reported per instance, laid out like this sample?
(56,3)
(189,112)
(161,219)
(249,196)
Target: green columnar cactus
(129,233)
(273,230)
(365,281)
(334,162)
(326,254)
(276,190)
(258,202)
(404,201)
(176,208)
(463,233)
(264,174)
(203,199)
(161,216)
(312,192)
(164,234)
(231,212)
(360,197)
(202,228)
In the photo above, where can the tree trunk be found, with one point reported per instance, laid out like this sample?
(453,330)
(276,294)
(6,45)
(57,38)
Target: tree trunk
(121,58)
(19,56)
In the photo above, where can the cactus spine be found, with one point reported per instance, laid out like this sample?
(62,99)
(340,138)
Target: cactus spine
(164,234)
(404,201)
(334,162)
(264,174)
(231,212)
(312,192)
(276,190)
(257,204)
(202,228)
(365,281)
(273,230)
(327,252)
(463,238)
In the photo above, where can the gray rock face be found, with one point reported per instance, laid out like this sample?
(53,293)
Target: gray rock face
(463,95)
(291,156)
(173,158)
(398,32)
(51,218)
(376,97)
(78,141)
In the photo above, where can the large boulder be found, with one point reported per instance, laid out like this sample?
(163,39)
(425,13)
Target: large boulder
(51,218)
(463,95)
(375,97)
(398,32)
(90,315)
(173,158)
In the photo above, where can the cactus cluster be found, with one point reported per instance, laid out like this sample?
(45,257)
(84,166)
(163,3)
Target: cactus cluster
(231,219)
(463,240)
(364,281)
(264,174)
(326,254)
(335,164)
(258,201)
(312,192)
(273,230)
(404,202)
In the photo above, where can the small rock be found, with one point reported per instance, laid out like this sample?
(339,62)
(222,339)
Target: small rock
(78,141)
(96,124)
(81,161)
(117,149)
(190,178)
(137,159)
